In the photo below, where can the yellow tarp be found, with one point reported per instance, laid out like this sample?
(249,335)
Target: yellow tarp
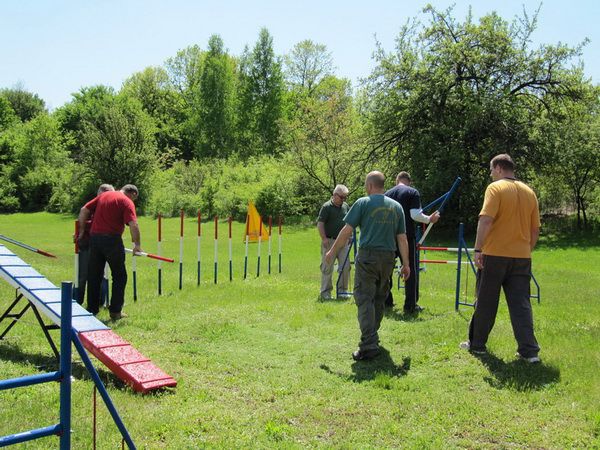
(253,227)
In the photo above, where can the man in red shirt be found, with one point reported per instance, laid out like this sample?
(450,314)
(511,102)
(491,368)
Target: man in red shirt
(112,211)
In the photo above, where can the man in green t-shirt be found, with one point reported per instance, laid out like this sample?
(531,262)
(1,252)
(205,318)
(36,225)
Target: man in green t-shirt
(381,222)
(329,223)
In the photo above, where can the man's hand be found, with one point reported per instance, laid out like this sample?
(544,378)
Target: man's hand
(478,260)
(433,218)
(329,256)
(137,249)
(405,272)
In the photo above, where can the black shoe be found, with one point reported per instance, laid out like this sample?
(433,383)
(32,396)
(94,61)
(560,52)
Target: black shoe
(417,309)
(361,355)
(389,305)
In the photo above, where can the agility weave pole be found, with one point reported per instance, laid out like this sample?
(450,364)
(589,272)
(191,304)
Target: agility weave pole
(181,217)
(198,251)
(27,247)
(159,252)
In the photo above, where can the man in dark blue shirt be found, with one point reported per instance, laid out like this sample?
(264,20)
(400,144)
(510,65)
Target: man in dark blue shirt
(410,200)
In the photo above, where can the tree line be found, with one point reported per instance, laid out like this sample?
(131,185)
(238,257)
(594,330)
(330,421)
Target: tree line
(210,130)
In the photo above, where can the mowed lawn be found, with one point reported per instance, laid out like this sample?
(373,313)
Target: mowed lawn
(261,363)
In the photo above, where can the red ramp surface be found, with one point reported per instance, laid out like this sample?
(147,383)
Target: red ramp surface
(125,361)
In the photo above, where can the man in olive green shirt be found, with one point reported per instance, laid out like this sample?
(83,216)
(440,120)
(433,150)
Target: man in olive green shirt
(381,222)
(329,224)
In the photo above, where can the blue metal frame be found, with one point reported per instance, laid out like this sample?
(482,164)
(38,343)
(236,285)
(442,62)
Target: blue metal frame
(63,428)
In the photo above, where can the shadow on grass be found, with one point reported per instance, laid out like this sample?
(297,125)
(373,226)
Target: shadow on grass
(368,370)
(401,316)
(13,353)
(518,375)
(335,300)
(565,239)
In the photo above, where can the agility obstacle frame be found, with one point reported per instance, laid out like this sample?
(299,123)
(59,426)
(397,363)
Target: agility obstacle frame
(17,274)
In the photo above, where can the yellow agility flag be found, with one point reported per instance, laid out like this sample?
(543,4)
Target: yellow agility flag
(253,225)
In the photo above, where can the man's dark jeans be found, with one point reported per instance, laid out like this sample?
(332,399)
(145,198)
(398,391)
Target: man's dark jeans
(411,285)
(513,276)
(106,249)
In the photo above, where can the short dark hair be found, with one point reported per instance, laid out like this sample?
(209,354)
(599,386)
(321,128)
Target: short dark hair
(130,189)
(403,176)
(504,161)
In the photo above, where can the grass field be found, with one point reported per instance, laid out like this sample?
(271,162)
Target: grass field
(261,363)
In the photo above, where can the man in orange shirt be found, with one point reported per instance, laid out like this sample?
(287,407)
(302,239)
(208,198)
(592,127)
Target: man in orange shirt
(508,229)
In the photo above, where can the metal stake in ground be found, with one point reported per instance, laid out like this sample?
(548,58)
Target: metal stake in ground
(76,262)
(159,252)
(280,220)
(270,229)
(198,248)
(230,252)
(246,255)
(216,245)
(259,244)
(181,216)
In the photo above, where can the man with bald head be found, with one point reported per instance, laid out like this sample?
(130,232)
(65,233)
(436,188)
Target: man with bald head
(381,222)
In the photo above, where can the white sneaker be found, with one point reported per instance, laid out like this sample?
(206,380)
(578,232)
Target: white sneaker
(325,296)
(466,345)
(530,360)
(345,296)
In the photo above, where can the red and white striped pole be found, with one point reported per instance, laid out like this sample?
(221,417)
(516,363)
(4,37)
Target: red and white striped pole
(246,254)
(280,221)
(198,255)
(230,220)
(181,217)
(445,249)
(259,245)
(76,263)
(216,246)
(159,252)
(270,241)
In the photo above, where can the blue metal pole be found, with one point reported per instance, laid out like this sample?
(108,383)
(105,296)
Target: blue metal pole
(30,435)
(458,266)
(103,392)
(435,202)
(29,380)
(65,365)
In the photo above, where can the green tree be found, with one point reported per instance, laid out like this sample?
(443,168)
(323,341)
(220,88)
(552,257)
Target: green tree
(26,105)
(158,97)
(307,64)
(86,106)
(217,90)
(570,132)
(326,137)
(7,115)
(453,94)
(185,74)
(39,160)
(261,98)
(119,147)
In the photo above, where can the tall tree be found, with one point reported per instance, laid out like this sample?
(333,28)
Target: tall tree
(119,147)
(307,64)
(455,93)
(159,98)
(326,136)
(261,98)
(185,74)
(25,104)
(216,114)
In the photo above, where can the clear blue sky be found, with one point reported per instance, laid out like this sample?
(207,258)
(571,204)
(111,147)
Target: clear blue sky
(55,47)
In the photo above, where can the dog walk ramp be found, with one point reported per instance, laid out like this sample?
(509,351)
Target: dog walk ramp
(117,354)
